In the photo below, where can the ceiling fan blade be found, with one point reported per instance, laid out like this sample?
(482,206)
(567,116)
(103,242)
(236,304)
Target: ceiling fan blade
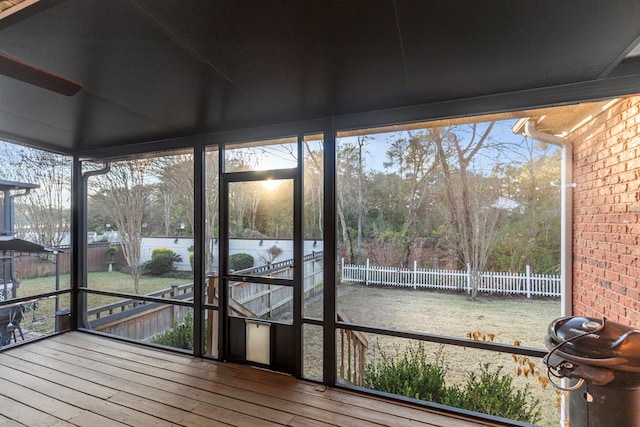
(16,69)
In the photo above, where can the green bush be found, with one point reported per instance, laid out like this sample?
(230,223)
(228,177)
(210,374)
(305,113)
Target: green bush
(240,261)
(492,393)
(192,256)
(112,254)
(161,263)
(179,336)
(408,374)
(411,375)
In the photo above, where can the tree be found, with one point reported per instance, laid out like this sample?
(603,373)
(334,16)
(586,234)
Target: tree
(349,189)
(471,215)
(531,234)
(175,193)
(176,189)
(126,190)
(313,189)
(416,159)
(46,208)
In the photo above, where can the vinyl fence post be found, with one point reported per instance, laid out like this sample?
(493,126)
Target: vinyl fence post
(341,270)
(415,274)
(528,281)
(366,273)
(468,278)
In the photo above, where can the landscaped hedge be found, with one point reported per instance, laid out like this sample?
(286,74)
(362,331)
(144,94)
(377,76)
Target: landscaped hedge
(240,261)
(162,262)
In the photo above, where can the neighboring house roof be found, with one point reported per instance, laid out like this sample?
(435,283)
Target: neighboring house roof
(18,245)
(14,185)
(506,204)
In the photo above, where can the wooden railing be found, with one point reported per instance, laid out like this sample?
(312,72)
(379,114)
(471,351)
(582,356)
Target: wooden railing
(268,301)
(175,291)
(353,347)
(141,320)
(123,314)
(268,269)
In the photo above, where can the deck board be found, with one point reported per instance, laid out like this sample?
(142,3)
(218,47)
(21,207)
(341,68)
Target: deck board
(84,379)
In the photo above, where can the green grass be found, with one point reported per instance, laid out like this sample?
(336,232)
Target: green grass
(120,282)
(42,319)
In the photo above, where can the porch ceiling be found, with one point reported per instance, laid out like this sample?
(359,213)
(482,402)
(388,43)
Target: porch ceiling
(161,69)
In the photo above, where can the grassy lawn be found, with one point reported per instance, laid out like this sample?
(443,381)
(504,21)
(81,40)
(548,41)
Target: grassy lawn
(40,316)
(120,282)
(107,281)
(492,318)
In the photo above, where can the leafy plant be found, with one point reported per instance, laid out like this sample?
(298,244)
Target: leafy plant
(179,336)
(240,261)
(192,256)
(524,366)
(111,254)
(162,262)
(410,374)
(493,393)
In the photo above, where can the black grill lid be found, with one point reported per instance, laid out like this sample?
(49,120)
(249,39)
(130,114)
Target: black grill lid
(602,339)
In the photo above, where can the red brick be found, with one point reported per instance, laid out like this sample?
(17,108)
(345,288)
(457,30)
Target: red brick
(606,220)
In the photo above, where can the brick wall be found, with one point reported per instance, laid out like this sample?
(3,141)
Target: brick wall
(606,214)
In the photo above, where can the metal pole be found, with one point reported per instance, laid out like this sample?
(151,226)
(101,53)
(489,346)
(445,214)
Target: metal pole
(57,254)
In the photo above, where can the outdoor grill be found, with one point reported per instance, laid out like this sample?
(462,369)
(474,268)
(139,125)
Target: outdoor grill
(603,360)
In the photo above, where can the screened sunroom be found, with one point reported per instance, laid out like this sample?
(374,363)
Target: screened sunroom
(310,213)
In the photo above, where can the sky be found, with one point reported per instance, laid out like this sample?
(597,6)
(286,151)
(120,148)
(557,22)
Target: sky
(378,144)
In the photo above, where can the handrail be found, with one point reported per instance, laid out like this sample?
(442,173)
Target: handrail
(276,266)
(177,291)
(182,290)
(353,347)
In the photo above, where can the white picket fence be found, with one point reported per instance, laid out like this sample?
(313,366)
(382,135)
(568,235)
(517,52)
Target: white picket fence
(491,282)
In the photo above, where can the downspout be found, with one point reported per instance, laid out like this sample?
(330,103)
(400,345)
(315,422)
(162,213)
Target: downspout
(566,212)
(80,307)
(9,219)
(10,215)
(566,227)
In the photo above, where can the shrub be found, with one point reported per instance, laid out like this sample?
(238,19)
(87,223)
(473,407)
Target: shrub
(179,336)
(112,254)
(409,374)
(162,262)
(192,255)
(271,254)
(240,261)
(492,393)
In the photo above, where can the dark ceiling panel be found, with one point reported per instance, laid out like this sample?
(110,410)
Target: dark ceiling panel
(479,48)
(160,69)
(136,81)
(294,56)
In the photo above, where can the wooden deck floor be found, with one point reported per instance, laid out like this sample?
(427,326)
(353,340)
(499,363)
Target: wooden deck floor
(86,380)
